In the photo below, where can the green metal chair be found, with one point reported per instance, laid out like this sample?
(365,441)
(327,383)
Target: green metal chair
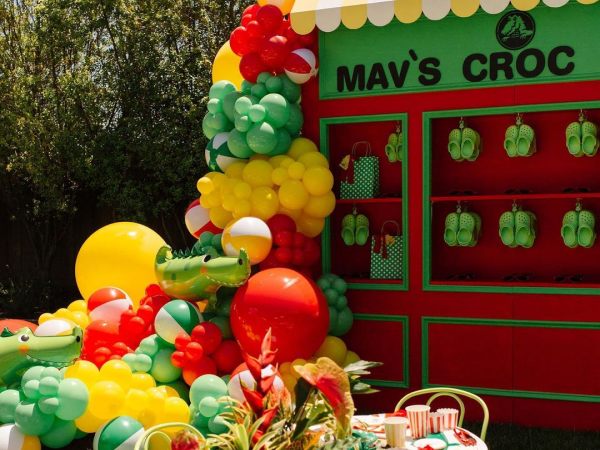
(143,443)
(454,393)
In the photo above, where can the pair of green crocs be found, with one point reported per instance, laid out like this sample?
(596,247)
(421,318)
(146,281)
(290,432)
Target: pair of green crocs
(355,229)
(462,228)
(518,228)
(393,149)
(464,144)
(519,140)
(582,138)
(578,228)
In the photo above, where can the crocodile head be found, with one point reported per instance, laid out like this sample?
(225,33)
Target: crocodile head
(226,271)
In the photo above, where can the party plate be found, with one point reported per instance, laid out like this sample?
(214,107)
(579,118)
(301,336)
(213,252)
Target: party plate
(436,444)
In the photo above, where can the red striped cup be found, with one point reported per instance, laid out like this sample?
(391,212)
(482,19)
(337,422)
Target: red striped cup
(450,418)
(435,422)
(418,416)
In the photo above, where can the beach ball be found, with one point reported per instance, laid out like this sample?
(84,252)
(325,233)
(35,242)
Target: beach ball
(55,327)
(301,66)
(108,304)
(218,155)
(197,220)
(175,318)
(242,375)
(250,234)
(11,438)
(121,433)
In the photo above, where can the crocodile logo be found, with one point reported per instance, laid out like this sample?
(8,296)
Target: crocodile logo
(515,30)
(195,276)
(21,350)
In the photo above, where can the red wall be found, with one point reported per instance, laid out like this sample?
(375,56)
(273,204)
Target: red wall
(495,357)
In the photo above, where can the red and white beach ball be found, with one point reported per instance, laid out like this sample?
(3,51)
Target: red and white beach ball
(108,304)
(241,373)
(197,220)
(301,66)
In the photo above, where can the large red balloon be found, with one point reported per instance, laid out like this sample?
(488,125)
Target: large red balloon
(288,303)
(273,51)
(251,67)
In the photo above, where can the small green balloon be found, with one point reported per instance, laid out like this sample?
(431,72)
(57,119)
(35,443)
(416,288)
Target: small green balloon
(208,406)
(217,425)
(226,293)
(219,121)
(228,104)
(333,319)
(331,295)
(142,363)
(340,286)
(247,87)
(262,137)
(259,90)
(238,144)
(290,90)
(60,435)
(130,358)
(48,405)
(33,373)
(9,399)
(243,105)
(207,128)
(224,326)
(278,109)
(220,89)
(296,120)
(341,303)
(31,389)
(284,142)
(226,378)
(52,372)
(80,434)
(216,242)
(263,77)
(243,123)
(224,307)
(49,386)
(323,283)
(149,346)
(215,106)
(207,386)
(208,316)
(274,85)
(345,322)
(31,420)
(257,113)
(206,238)
(74,398)
(162,369)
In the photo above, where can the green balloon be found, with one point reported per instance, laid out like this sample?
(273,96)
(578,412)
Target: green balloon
(274,84)
(216,242)
(331,295)
(331,277)
(9,399)
(257,113)
(130,358)
(49,385)
(207,386)
(31,420)
(217,425)
(224,326)
(218,121)
(52,372)
(263,77)
(290,90)
(262,137)
(284,142)
(259,90)
(226,378)
(247,87)
(226,293)
(182,389)
(163,370)
(80,434)
(345,322)
(206,238)
(341,303)
(243,123)
(228,104)
(32,374)
(31,389)
(296,120)
(208,316)
(208,406)
(333,319)
(220,89)
(48,405)
(207,128)
(238,144)
(278,109)
(323,283)
(340,285)
(142,363)
(224,307)
(74,398)
(60,435)
(243,105)
(215,106)
(149,346)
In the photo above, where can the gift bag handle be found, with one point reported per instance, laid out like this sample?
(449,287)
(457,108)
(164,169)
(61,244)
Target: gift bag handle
(390,221)
(358,144)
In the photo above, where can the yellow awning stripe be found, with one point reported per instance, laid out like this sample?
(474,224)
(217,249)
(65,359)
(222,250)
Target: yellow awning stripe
(328,14)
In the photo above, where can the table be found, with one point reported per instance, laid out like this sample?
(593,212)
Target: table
(409,441)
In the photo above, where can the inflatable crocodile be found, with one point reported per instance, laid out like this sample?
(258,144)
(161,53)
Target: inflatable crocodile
(23,349)
(196,277)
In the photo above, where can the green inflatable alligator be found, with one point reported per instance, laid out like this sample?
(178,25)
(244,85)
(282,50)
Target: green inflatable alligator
(196,277)
(23,349)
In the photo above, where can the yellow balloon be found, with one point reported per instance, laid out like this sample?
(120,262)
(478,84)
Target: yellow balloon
(175,410)
(300,146)
(227,66)
(296,170)
(288,212)
(204,202)
(293,195)
(242,191)
(78,306)
(310,226)
(169,391)
(279,176)
(205,185)
(351,358)
(121,255)
(289,382)
(84,371)
(81,319)
(229,202)
(333,348)
(218,179)
(258,173)
(136,400)
(88,423)
(314,159)
(214,198)
(117,371)
(264,203)
(320,207)
(219,217)
(142,381)
(296,362)
(45,317)
(63,313)
(156,398)
(235,169)
(107,399)
(286,162)
(318,180)
(285,368)
(242,209)
(285,6)
(229,186)
(275,161)
(259,156)
(148,418)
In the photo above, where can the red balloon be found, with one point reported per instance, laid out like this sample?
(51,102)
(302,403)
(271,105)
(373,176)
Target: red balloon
(101,355)
(285,25)
(308,40)
(178,359)
(194,351)
(299,240)
(208,335)
(284,255)
(15,324)
(251,10)
(100,333)
(284,238)
(146,313)
(182,340)
(312,252)
(291,36)
(270,261)
(273,51)
(196,369)
(137,326)
(239,41)
(270,18)
(281,222)
(298,257)
(227,356)
(255,30)
(251,67)
(287,302)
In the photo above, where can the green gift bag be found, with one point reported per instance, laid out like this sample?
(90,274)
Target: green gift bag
(361,174)
(386,254)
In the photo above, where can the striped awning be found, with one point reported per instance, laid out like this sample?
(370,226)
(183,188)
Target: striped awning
(327,15)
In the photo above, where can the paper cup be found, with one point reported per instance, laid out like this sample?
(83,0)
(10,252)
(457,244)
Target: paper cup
(395,431)
(449,419)
(418,415)
(435,422)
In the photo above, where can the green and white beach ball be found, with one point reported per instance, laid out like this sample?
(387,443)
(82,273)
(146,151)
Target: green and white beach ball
(176,317)
(119,434)
(218,155)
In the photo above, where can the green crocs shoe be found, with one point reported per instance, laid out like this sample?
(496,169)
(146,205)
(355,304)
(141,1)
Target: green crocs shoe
(531,238)
(362,229)
(467,229)
(589,138)
(454,144)
(399,148)
(475,236)
(471,142)
(451,231)
(573,134)
(510,140)
(523,227)
(349,228)
(390,148)
(568,231)
(586,234)
(526,145)
(507,228)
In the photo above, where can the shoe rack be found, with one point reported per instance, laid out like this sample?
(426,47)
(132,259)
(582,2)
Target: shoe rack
(549,183)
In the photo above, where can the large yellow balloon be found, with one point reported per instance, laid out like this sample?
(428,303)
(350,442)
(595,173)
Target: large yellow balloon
(88,423)
(333,348)
(119,255)
(320,207)
(84,371)
(310,226)
(285,6)
(227,66)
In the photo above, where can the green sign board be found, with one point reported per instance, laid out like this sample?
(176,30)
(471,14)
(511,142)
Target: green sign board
(545,45)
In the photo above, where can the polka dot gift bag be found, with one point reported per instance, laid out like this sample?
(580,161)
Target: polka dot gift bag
(360,174)
(386,254)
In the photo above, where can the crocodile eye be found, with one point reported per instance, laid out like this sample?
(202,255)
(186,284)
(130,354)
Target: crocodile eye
(206,259)
(23,338)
